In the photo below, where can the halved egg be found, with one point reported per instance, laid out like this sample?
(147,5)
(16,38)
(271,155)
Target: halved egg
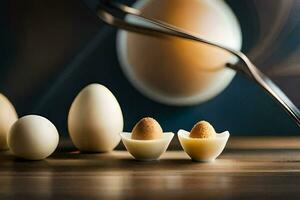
(203,148)
(147,141)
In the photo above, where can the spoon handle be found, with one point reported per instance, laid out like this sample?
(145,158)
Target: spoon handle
(252,72)
(274,91)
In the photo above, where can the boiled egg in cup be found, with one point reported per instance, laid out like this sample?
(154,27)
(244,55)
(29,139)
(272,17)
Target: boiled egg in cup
(203,143)
(147,141)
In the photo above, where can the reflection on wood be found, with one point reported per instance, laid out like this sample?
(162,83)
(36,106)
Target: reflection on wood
(247,173)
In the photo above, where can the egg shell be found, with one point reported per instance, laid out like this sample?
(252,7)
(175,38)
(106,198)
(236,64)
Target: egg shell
(8,116)
(95,120)
(33,137)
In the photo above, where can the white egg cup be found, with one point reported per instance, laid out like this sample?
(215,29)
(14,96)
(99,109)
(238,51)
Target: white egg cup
(146,150)
(203,149)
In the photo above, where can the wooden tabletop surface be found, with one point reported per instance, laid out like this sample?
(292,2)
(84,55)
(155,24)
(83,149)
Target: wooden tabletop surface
(250,168)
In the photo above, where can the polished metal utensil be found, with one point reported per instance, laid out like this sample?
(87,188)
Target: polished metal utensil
(109,8)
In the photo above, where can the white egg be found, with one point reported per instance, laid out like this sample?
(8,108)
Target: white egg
(33,137)
(177,71)
(95,120)
(8,116)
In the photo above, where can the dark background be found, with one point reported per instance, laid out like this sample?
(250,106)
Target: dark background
(51,49)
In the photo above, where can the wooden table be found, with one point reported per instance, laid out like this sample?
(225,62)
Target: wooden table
(250,168)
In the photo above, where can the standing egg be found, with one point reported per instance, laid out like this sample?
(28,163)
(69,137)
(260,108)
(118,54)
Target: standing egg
(8,116)
(33,137)
(95,120)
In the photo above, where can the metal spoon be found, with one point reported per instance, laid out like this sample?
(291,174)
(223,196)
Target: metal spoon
(108,7)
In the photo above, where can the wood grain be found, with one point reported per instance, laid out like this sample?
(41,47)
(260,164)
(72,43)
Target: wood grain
(250,168)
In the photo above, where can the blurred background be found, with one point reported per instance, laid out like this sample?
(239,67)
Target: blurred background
(50,50)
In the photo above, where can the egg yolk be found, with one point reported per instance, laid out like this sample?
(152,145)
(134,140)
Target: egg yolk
(203,129)
(147,129)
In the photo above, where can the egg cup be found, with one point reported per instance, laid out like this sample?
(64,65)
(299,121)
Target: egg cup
(203,149)
(146,150)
